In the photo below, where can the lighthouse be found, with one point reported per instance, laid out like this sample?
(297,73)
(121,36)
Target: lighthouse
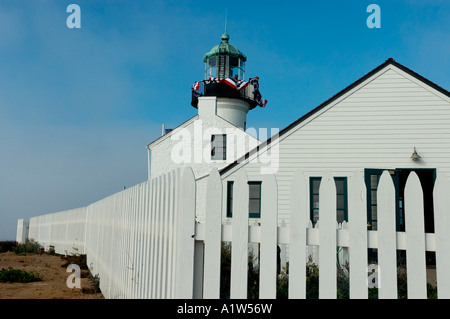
(217,135)
(224,91)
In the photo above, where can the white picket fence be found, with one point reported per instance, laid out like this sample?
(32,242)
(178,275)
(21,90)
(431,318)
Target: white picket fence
(22,231)
(145,241)
(129,238)
(299,236)
(65,230)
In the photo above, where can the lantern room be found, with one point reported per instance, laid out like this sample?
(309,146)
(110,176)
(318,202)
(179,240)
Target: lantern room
(224,61)
(224,91)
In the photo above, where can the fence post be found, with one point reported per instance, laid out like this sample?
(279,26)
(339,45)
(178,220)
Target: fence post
(387,240)
(213,236)
(297,234)
(357,236)
(185,236)
(327,238)
(269,223)
(239,246)
(442,225)
(415,239)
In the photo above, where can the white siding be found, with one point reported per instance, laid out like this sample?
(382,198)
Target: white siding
(199,130)
(375,125)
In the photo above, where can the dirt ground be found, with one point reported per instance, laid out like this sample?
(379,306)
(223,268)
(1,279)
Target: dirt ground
(54,278)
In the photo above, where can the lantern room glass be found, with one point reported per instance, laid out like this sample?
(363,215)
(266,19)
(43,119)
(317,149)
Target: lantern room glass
(224,66)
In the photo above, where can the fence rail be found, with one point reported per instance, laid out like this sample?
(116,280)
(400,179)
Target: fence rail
(145,241)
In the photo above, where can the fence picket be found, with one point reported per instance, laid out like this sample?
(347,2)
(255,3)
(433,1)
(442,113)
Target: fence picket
(159,236)
(213,236)
(186,234)
(297,234)
(239,248)
(176,206)
(156,236)
(387,251)
(327,238)
(171,234)
(415,239)
(147,237)
(165,237)
(141,239)
(269,220)
(156,188)
(441,227)
(134,241)
(357,236)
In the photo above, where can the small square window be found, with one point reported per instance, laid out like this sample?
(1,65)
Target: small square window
(254,201)
(219,147)
(341,198)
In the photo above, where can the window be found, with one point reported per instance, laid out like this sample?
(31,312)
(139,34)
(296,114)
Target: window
(230,199)
(372,180)
(211,68)
(341,199)
(399,177)
(254,203)
(219,147)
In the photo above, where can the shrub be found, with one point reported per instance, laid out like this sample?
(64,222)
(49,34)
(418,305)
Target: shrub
(17,275)
(95,283)
(29,247)
(402,286)
(7,245)
(282,284)
(253,278)
(79,259)
(51,250)
(312,281)
(225,274)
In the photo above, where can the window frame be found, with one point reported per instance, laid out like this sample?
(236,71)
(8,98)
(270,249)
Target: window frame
(399,200)
(224,147)
(254,214)
(312,194)
(230,196)
(230,185)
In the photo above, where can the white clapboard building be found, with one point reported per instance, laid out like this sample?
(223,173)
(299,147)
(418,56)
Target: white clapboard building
(390,119)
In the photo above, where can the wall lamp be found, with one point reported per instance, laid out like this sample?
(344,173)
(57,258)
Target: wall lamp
(415,156)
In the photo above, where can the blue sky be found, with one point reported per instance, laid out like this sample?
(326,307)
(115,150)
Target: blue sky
(78,106)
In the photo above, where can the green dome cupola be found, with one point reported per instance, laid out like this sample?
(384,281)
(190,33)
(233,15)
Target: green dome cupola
(224,60)
(225,80)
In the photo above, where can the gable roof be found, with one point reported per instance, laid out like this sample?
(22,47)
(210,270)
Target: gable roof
(332,99)
(188,122)
(163,137)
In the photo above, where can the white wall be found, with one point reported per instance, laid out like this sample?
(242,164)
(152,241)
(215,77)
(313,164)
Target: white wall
(196,135)
(375,125)
(168,153)
(215,116)
(233,110)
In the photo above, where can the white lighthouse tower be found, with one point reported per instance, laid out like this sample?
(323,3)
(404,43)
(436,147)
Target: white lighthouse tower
(231,97)
(216,136)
